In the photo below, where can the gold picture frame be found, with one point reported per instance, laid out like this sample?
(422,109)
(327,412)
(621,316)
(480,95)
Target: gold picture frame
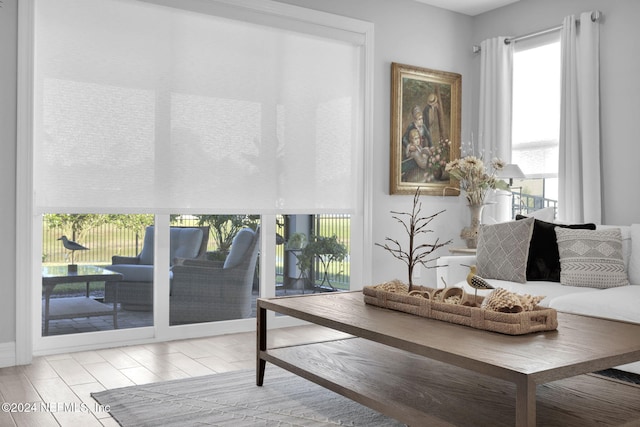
(421,148)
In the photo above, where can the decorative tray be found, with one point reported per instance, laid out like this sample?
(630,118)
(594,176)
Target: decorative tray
(465,310)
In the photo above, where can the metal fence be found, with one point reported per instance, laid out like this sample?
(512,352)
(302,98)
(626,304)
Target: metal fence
(338,272)
(103,242)
(526,203)
(109,239)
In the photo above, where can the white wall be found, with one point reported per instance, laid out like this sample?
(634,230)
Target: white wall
(8,66)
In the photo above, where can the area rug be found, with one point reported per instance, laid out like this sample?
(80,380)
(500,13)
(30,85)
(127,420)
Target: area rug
(233,399)
(617,374)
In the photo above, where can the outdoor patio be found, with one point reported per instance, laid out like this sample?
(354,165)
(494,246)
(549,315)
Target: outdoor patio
(126,318)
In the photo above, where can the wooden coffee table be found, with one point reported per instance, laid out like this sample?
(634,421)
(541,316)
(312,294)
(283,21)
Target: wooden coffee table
(427,372)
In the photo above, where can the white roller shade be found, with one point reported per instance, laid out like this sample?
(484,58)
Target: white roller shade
(146,108)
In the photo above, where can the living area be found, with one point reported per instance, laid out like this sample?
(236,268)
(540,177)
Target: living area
(406,32)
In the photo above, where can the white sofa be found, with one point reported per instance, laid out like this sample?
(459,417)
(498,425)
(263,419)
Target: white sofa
(619,303)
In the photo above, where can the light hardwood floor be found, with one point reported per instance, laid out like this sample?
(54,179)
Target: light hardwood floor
(63,382)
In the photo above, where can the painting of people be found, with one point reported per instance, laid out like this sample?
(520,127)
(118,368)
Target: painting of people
(425,132)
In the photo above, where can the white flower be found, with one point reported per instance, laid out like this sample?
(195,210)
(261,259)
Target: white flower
(474,178)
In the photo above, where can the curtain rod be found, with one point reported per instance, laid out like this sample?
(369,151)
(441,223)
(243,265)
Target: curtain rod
(595,17)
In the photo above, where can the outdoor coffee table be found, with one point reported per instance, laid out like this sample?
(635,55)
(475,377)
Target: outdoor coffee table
(430,372)
(78,306)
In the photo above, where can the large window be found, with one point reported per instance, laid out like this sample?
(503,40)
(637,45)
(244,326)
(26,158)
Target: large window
(536,122)
(195,109)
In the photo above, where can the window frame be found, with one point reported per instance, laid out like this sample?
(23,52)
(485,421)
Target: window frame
(28,222)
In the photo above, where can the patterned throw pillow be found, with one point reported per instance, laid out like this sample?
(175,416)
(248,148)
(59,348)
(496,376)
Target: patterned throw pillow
(503,249)
(591,258)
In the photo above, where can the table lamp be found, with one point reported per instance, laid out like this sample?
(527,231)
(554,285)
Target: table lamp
(511,171)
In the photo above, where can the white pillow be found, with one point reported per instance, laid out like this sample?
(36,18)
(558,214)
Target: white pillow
(591,258)
(544,214)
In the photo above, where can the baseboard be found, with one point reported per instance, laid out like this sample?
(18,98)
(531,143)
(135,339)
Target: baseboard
(7,354)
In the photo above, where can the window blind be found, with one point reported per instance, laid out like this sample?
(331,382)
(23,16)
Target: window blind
(141,107)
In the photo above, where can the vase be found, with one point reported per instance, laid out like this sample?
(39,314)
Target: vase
(470,234)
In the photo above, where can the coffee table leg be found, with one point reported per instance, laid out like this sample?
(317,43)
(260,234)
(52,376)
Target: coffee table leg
(525,402)
(261,343)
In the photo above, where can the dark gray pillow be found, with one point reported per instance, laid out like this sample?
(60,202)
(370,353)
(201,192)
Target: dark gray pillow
(503,250)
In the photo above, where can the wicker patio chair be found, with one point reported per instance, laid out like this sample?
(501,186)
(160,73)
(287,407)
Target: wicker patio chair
(206,291)
(135,292)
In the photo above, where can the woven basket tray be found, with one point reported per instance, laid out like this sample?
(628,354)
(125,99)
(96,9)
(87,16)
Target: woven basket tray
(539,319)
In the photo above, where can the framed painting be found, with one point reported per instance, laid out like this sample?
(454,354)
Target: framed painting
(425,129)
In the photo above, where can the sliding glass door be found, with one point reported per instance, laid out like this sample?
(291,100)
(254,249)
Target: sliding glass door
(151,125)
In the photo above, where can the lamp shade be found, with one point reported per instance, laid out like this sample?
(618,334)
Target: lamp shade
(511,171)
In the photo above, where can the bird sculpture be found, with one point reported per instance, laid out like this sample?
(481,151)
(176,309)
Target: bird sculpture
(476,282)
(72,246)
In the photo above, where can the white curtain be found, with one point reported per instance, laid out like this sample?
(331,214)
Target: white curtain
(579,198)
(496,76)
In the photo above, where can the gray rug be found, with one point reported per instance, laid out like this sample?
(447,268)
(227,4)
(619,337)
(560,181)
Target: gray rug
(233,399)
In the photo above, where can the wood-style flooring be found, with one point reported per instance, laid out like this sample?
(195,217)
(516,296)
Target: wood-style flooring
(60,385)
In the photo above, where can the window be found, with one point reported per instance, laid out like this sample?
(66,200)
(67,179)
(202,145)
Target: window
(536,122)
(141,108)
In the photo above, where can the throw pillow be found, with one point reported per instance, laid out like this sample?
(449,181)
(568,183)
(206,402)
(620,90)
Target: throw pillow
(544,214)
(503,249)
(543,262)
(591,258)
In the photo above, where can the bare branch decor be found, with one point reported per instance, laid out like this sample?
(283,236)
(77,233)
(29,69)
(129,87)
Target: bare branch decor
(414,225)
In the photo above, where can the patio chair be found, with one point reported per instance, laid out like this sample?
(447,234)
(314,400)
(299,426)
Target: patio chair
(207,291)
(135,292)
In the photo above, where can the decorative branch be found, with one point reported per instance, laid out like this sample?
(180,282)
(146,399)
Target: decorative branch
(413,226)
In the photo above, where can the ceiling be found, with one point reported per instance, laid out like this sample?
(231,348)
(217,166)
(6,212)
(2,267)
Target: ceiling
(468,7)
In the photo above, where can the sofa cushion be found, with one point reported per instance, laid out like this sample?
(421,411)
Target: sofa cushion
(146,255)
(591,258)
(550,290)
(543,262)
(619,303)
(241,242)
(503,249)
(547,214)
(134,272)
(184,242)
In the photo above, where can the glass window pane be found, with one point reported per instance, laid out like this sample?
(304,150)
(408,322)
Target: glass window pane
(536,124)
(315,256)
(214,273)
(530,195)
(95,273)
(536,109)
